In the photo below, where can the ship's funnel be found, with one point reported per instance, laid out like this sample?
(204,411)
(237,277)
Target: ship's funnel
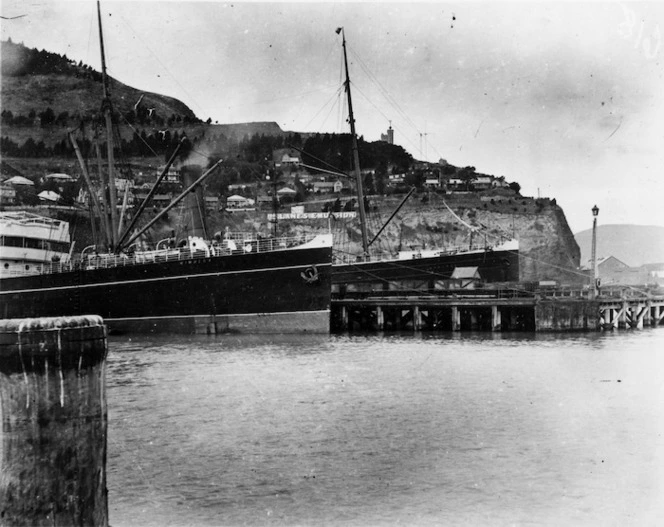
(194,202)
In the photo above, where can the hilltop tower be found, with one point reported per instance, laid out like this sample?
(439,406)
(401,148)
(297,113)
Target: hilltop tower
(389,137)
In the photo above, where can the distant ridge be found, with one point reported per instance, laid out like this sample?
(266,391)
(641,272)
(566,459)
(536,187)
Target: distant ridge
(242,129)
(634,245)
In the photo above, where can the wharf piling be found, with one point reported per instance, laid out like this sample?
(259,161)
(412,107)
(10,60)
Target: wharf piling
(54,421)
(491,310)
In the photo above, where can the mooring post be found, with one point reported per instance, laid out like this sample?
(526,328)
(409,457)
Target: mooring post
(53,413)
(495,318)
(456,319)
(648,315)
(380,318)
(417,318)
(344,318)
(622,316)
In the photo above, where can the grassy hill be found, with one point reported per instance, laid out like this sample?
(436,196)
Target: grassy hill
(33,81)
(44,95)
(634,245)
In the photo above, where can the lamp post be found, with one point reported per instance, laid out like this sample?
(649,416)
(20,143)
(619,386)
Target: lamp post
(595,284)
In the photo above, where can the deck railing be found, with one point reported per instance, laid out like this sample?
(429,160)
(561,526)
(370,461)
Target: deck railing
(343,258)
(243,245)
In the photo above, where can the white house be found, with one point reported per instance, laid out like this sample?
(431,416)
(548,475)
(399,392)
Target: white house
(172,176)
(481,182)
(322,187)
(286,191)
(48,195)
(455,182)
(7,194)
(239,202)
(286,157)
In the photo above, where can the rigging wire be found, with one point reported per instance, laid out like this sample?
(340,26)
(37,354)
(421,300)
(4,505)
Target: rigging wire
(334,95)
(391,100)
(381,112)
(156,57)
(383,90)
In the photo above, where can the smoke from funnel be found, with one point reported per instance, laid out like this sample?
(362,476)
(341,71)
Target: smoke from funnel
(194,202)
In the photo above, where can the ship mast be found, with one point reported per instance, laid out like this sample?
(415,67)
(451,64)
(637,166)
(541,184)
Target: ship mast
(107,109)
(356,155)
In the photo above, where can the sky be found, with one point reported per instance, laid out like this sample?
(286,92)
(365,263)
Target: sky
(563,97)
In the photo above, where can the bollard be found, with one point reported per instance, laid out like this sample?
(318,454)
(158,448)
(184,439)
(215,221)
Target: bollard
(53,413)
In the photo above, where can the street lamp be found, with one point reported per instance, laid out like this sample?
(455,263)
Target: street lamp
(595,284)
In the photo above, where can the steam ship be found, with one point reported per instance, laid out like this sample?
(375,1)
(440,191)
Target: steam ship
(235,282)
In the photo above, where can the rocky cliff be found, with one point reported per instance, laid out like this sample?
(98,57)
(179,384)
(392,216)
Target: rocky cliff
(547,249)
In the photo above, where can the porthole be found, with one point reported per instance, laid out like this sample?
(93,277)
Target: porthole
(6,266)
(27,267)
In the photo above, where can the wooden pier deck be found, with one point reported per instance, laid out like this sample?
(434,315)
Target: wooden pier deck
(495,310)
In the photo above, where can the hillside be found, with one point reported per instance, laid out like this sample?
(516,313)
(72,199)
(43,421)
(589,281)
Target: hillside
(634,245)
(34,81)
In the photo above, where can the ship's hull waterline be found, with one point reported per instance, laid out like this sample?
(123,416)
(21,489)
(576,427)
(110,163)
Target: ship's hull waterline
(280,291)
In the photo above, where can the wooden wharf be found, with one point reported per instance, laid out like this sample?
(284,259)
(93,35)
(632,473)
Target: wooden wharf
(515,309)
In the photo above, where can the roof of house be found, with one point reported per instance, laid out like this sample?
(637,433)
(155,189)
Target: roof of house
(48,195)
(19,180)
(465,272)
(60,177)
(286,190)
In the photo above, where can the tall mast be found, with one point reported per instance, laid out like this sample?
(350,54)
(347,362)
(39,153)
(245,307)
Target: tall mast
(356,155)
(106,106)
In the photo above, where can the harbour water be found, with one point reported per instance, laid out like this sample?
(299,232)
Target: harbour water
(450,429)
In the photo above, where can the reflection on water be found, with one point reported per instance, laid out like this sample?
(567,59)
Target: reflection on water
(479,429)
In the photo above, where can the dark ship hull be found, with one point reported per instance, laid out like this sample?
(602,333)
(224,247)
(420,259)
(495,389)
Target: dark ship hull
(281,291)
(425,272)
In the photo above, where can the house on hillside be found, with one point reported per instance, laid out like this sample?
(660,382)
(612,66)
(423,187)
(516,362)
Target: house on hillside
(172,176)
(264,201)
(286,157)
(456,183)
(286,194)
(499,182)
(432,182)
(327,187)
(482,182)
(238,187)
(237,202)
(7,194)
(211,203)
(395,179)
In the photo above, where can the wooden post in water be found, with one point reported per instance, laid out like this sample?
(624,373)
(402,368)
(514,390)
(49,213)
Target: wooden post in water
(417,318)
(456,319)
(495,318)
(53,415)
(380,319)
(344,318)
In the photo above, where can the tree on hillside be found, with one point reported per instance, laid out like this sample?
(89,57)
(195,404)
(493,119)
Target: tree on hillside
(467,175)
(47,117)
